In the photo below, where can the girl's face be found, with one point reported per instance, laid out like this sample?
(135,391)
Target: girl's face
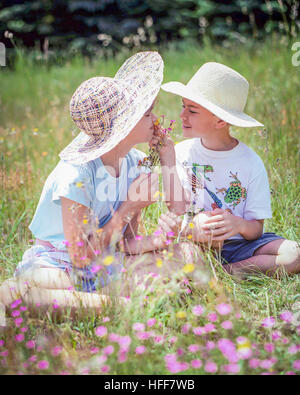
(143,130)
(197,121)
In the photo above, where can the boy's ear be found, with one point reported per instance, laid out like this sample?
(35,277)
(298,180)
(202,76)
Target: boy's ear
(220,124)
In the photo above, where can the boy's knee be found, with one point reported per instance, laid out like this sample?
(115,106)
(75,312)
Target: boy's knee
(289,256)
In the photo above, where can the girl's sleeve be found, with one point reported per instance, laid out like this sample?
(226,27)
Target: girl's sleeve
(73,182)
(258,201)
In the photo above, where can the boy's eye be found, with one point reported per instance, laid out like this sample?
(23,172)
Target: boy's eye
(193,112)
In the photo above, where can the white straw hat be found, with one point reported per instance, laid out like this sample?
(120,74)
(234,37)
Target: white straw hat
(220,90)
(107,109)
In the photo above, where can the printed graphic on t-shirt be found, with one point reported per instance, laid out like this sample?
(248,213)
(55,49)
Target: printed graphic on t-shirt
(232,195)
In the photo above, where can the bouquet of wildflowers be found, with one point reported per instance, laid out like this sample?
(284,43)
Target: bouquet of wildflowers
(153,159)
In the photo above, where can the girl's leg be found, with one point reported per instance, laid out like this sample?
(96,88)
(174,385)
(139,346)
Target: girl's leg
(139,266)
(284,254)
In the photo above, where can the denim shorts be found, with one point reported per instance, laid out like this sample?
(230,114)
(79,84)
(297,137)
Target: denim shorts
(88,279)
(240,249)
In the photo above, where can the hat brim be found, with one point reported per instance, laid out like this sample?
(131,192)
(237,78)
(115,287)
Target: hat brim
(236,118)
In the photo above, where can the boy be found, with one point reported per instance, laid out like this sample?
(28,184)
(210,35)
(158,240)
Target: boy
(230,180)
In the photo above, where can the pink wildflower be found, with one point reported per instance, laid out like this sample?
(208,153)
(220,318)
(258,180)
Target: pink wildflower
(138,326)
(210,345)
(15,313)
(30,344)
(199,330)
(209,328)
(193,348)
(43,364)
(105,368)
(276,335)
(18,321)
(196,363)
(254,363)
(186,328)
(269,347)
(124,342)
(223,308)
(232,368)
(108,350)
(212,317)
(268,322)
(227,325)
(296,364)
(210,367)
(266,364)
(101,331)
(19,337)
(228,349)
(286,316)
(15,303)
(151,322)
(140,350)
(113,337)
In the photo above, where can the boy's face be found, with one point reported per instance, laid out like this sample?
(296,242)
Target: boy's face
(197,121)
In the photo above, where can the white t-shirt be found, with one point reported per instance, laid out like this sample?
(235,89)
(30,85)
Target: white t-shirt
(89,184)
(234,180)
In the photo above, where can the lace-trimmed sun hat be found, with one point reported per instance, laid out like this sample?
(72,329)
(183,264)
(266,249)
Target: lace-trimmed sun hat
(219,89)
(107,109)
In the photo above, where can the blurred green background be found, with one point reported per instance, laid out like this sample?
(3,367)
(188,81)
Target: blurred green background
(55,30)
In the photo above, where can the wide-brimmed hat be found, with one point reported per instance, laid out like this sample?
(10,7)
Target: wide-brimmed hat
(107,109)
(219,89)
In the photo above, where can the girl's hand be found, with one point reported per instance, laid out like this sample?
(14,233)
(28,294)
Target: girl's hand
(222,225)
(170,224)
(143,191)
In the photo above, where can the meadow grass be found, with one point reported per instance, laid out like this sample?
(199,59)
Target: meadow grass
(35,127)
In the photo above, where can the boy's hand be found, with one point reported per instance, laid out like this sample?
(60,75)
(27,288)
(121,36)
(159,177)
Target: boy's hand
(167,149)
(222,225)
(170,224)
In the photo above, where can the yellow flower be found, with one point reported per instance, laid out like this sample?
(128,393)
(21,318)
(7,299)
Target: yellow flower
(36,129)
(192,225)
(189,237)
(189,268)
(181,314)
(85,221)
(79,184)
(157,193)
(159,262)
(108,260)
(212,283)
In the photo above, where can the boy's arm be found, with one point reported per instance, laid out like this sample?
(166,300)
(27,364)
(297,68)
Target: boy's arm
(251,229)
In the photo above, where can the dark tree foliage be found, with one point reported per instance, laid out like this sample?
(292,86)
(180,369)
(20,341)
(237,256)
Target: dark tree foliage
(85,25)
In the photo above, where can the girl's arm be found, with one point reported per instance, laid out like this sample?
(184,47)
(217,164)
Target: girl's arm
(81,231)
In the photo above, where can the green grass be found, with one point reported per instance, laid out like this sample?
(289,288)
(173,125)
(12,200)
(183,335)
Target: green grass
(36,126)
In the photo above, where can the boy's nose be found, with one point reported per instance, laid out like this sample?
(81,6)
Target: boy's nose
(183,114)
